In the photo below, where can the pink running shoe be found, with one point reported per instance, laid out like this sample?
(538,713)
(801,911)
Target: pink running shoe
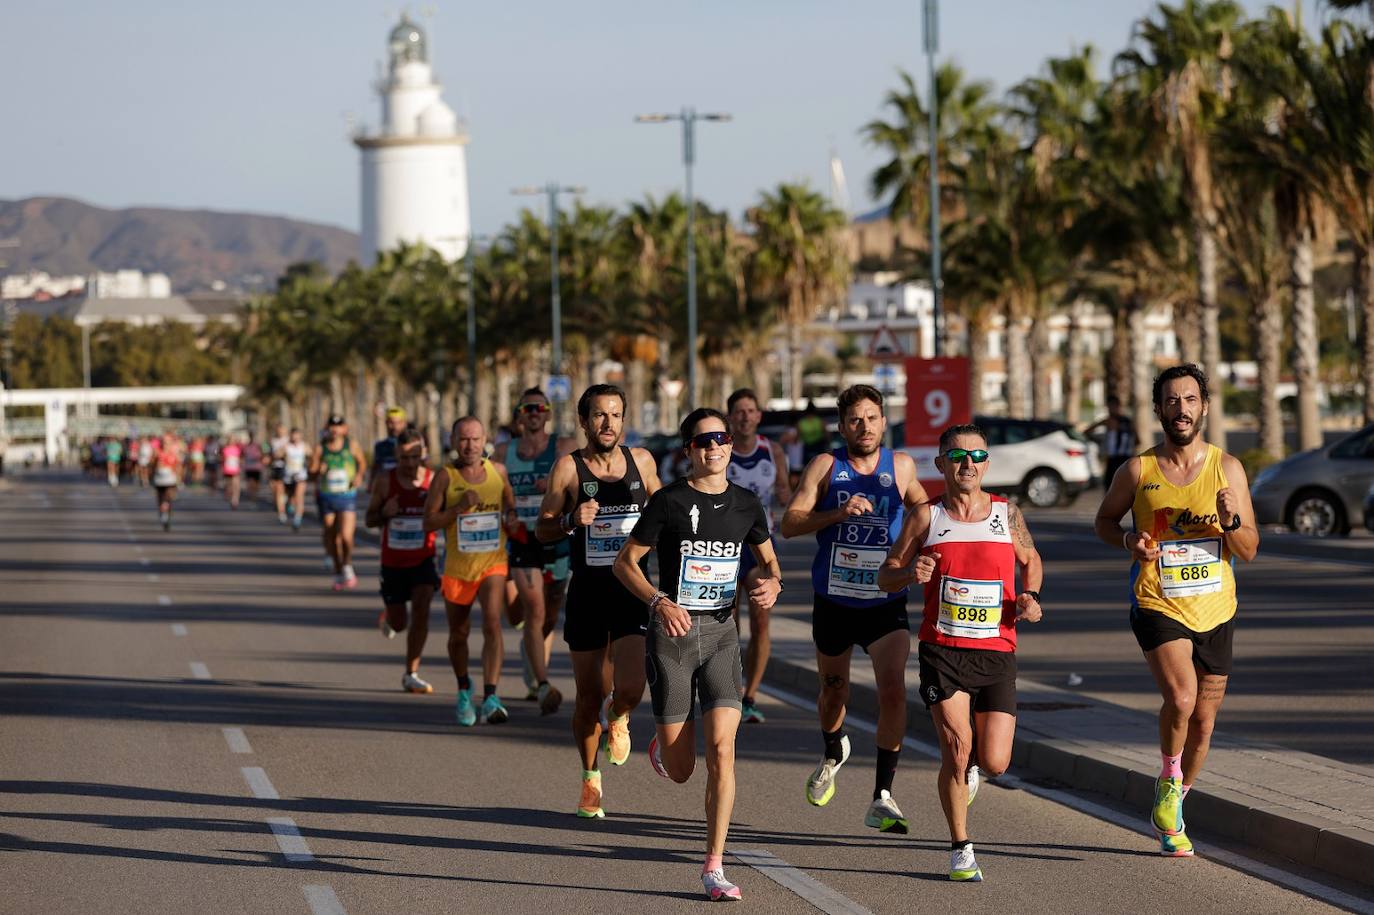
(656,760)
(718,889)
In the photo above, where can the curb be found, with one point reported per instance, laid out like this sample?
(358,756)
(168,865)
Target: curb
(1306,839)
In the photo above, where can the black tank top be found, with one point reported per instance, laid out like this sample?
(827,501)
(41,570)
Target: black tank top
(619,503)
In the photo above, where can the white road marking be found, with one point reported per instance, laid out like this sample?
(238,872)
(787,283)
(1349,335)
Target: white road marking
(323,901)
(803,884)
(199,671)
(289,839)
(259,783)
(178,629)
(1132,823)
(152,576)
(238,743)
(164,601)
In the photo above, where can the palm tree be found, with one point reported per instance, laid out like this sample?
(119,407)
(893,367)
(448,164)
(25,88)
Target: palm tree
(799,262)
(1180,64)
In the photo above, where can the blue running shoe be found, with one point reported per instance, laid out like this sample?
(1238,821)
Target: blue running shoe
(493,712)
(464,712)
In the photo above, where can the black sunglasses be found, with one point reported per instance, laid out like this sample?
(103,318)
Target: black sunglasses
(957,455)
(705,439)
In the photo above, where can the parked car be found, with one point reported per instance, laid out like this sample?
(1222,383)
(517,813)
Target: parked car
(1319,492)
(1045,462)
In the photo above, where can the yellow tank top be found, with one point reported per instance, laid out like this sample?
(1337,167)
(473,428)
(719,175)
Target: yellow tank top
(476,541)
(1192,581)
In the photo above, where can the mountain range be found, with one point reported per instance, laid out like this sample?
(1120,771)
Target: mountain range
(197,249)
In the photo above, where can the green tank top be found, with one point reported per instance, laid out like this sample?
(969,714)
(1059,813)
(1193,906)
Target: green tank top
(525,476)
(340,468)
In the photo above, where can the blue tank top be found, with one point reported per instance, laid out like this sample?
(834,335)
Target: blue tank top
(850,553)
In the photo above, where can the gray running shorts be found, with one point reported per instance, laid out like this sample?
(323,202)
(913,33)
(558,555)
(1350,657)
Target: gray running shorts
(703,665)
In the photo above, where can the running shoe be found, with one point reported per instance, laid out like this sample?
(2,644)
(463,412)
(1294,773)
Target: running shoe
(464,712)
(718,889)
(589,804)
(413,684)
(820,787)
(963,867)
(1176,846)
(338,582)
(885,816)
(296,524)
(752,715)
(350,578)
(493,712)
(531,684)
(165,519)
(549,699)
(617,741)
(656,758)
(281,518)
(974,778)
(383,625)
(1167,816)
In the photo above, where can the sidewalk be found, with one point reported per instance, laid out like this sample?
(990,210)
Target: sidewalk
(1314,811)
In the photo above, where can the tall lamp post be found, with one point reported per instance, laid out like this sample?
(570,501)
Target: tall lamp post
(689,117)
(931,8)
(552,189)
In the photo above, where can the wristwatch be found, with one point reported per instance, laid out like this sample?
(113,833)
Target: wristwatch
(1034,594)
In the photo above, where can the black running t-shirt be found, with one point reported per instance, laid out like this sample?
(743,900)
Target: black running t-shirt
(699,538)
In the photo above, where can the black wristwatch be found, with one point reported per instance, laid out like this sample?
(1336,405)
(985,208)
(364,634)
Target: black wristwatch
(1234,526)
(1034,594)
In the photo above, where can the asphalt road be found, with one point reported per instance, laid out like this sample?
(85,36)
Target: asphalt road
(193,722)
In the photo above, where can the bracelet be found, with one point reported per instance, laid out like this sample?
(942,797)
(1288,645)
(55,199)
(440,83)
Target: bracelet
(1124,537)
(658,598)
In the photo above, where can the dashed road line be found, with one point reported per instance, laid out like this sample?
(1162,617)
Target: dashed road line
(199,671)
(238,743)
(152,576)
(178,629)
(289,839)
(803,884)
(259,783)
(164,601)
(323,901)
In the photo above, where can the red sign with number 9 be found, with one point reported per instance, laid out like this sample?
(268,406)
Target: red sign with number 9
(936,398)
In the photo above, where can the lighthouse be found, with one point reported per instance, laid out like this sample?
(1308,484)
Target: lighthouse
(414,169)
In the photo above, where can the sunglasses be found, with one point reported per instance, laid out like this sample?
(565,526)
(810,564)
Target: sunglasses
(528,409)
(704,440)
(957,455)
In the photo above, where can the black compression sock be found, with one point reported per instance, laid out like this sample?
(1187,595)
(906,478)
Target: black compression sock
(465,682)
(543,683)
(955,846)
(833,750)
(886,769)
(488,689)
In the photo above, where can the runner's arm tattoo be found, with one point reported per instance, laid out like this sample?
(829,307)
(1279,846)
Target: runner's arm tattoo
(1020,534)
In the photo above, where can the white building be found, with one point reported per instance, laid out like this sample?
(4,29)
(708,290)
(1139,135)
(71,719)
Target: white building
(129,284)
(414,169)
(38,283)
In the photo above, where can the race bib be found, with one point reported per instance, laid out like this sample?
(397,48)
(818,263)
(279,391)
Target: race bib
(707,583)
(1188,568)
(164,476)
(854,571)
(295,464)
(527,509)
(970,609)
(479,532)
(336,480)
(406,532)
(231,465)
(864,530)
(606,535)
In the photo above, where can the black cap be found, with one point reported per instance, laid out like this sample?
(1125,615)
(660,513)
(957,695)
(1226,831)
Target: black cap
(336,420)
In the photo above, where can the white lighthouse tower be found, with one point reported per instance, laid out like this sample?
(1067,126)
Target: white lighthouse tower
(415,183)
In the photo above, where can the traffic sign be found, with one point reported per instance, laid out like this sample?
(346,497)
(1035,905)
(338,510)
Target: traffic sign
(885,345)
(936,398)
(885,377)
(559,388)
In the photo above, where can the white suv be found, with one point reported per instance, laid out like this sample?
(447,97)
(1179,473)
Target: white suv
(1047,463)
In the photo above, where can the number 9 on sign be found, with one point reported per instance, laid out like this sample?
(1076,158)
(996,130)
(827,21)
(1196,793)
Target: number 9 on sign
(937,407)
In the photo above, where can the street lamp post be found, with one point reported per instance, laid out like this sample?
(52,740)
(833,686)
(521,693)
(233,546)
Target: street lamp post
(688,116)
(932,43)
(552,189)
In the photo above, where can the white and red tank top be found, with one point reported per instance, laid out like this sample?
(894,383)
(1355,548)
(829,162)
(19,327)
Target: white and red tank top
(405,542)
(970,602)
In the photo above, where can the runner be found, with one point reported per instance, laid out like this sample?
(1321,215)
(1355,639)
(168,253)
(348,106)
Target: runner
(295,456)
(337,466)
(1191,513)
(384,450)
(699,527)
(145,460)
(212,461)
(854,500)
(166,476)
(397,506)
(196,472)
(760,466)
(472,501)
(231,456)
(277,447)
(595,496)
(114,455)
(972,544)
(539,572)
(252,467)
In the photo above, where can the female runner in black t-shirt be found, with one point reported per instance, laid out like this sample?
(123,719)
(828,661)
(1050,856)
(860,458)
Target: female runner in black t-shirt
(699,526)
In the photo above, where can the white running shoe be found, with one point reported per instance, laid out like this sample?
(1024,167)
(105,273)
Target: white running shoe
(820,787)
(974,779)
(719,889)
(885,816)
(962,865)
(411,683)
(350,578)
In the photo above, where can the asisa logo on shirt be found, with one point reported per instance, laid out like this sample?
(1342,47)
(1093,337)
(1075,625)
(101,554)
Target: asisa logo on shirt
(708,549)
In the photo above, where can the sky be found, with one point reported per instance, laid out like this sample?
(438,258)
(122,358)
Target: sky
(244,106)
